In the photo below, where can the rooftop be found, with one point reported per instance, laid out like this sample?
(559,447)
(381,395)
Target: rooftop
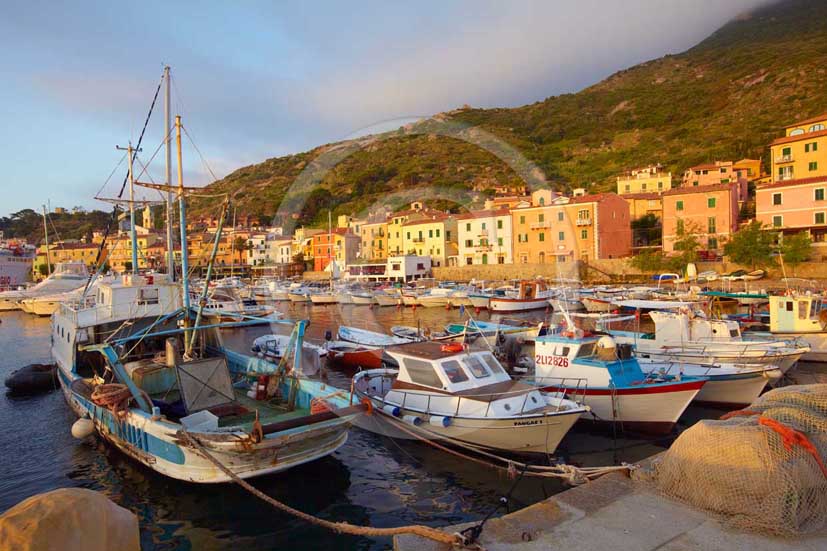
(483,214)
(642,195)
(804,136)
(819,118)
(790,183)
(701,189)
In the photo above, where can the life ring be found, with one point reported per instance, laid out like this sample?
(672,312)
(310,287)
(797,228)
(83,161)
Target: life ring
(452,347)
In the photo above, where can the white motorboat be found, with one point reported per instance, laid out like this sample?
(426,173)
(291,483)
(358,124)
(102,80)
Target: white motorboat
(362,298)
(798,316)
(302,294)
(466,397)
(369,338)
(683,336)
(67,276)
(387,298)
(531,295)
(324,297)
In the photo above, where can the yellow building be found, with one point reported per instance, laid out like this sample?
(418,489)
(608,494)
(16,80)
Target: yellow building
(641,204)
(120,251)
(303,242)
(67,252)
(749,169)
(374,238)
(644,180)
(802,152)
(434,236)
(396,237)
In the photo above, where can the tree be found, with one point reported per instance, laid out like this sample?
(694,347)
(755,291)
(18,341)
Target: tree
(687,245)
(646,230)
(751,245)
(796,249)
(241,245)
(649,261)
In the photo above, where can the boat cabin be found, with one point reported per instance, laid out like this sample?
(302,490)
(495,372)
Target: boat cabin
(797,314)
(529,290)
(596,359)
(681,327)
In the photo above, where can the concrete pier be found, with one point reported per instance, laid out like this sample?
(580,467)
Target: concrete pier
(614,513)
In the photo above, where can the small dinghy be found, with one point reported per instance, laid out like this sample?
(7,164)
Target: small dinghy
(33,379)
(273,347)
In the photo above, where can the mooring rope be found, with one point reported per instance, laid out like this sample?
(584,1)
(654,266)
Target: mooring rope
(338,527)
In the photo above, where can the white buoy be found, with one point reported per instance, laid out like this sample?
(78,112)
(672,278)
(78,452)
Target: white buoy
(391,410)
(414,420)
(83,428)
(440,421)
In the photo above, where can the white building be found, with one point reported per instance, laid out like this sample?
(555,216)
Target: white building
(281,250)
(484,237)
(408,267)
(268,249)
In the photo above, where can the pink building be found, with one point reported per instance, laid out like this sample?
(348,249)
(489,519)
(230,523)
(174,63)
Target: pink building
(710,212)
(792,206)
(713,174)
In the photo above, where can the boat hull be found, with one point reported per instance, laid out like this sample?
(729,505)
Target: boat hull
(433,301)
(500,304)
(298,297)
(386,300)
(40,307)
(323,299)
(7,304)
(478,301)
(362,300)
(647,409)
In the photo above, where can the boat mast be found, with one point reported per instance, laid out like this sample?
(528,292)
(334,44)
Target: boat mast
(168,143)
(46,233)
(183,223)
(132,233)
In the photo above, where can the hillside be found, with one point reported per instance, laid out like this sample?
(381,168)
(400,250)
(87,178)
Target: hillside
(725,98)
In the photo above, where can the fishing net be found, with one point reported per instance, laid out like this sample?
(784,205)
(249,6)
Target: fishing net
(760,469)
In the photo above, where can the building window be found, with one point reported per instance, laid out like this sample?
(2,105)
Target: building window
(812,166)
(628,188)
(500,241)
(499,224)
(431,233)
(712,243)
(810,147)
(468,226)
(786,153)
(660,185)
(817,127)
(711,225)
(541,218)
(501,260)
(522,219)
(777,221)
(819,218)
(561,215)
(643,187)
(679,205)
(542,201)
(447,235)
(680,227)
(797,132)
(561,236)
(819,194)
(710,202)
(409,235)
(469,243)
(695,183)
(776,198)
(584,234)
(785,173)
(469,260)
(542,237)
(483,225)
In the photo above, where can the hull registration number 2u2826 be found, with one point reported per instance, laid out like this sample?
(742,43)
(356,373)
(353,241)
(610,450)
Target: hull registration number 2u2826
(556,361)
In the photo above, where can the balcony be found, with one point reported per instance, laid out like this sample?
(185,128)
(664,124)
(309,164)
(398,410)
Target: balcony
(418,240)
(784,159)
(483,248)
(584,221)
(540,225)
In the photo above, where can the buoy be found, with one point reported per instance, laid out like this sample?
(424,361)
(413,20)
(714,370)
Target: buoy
(83,428)
(477,310)
(414,420)
(448,305)
(440,421)
(391,410)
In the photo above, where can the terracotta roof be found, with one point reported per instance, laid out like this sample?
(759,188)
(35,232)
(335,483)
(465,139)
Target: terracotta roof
(710,166)
(789,183)
(72,246)
(700,189)
(483,214)
(804,136)
(642,195)
(819,118)
(435,218)
(596,198)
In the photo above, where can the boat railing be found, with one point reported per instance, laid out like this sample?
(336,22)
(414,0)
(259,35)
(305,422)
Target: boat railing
(466,398)
(716,349)
(572,388)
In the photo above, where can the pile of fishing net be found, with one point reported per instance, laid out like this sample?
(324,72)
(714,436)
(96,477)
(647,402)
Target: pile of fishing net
(759,469)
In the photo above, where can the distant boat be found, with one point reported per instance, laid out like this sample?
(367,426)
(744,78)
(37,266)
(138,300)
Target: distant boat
(531,295)
(369,338)
(67,276)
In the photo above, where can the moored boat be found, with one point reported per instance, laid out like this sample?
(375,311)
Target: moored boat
(531,295)
(466,397)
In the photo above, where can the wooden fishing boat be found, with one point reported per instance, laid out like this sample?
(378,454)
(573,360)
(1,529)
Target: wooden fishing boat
(354,356)
(468,398)
(531,295)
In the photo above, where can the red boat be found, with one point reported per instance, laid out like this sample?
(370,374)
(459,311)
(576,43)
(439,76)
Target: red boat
(354,356)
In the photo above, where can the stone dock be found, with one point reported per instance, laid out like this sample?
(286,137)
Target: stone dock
(614,513)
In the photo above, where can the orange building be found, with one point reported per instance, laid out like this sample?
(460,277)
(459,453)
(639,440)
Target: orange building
(710,212)
(569,229)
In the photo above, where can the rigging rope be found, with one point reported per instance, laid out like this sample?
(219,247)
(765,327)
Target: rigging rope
(338,527)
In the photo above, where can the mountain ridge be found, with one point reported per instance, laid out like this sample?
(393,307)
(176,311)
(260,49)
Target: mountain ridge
(725,98)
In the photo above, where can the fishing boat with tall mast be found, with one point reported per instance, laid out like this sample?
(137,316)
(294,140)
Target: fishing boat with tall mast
(147,372)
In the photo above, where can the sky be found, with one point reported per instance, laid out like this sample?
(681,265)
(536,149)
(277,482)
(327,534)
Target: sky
(255,80)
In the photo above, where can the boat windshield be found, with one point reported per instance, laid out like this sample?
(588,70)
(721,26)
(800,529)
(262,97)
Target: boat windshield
(422,372)
(586,350)
(814,307)
(492,363)
(476,367)
(454,371)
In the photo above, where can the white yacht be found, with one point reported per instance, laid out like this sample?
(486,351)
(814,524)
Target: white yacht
(67,276)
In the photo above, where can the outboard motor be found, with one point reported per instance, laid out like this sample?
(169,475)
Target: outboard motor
(328,335)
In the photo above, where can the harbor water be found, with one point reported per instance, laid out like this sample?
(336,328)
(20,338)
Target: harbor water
(371,480)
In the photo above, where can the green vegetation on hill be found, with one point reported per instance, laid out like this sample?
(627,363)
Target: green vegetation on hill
(725,98)
(28,224)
